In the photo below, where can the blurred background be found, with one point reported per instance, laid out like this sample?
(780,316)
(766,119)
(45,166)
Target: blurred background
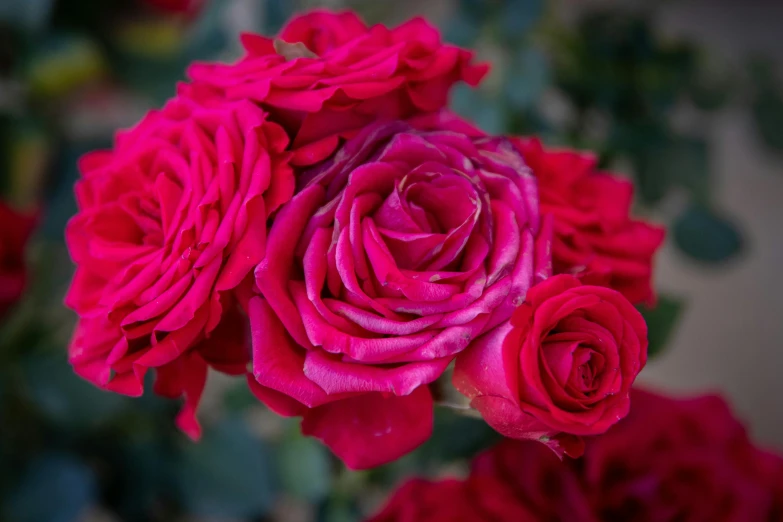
(685,97)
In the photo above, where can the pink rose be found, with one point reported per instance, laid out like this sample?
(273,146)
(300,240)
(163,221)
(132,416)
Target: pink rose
(340,77)
(322,31)
(561,367)
(593,230)
(170,225)
(388,261)
(687,460)
(15,231)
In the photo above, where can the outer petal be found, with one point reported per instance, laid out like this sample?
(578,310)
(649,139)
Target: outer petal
(278,363)
(372,429)
(186,377)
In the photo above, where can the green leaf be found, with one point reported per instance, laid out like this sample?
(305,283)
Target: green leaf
(675,161)
(228,474)
(444,446)
(706,236)
(661,321)
(65,398)
(304,467)
(767,107)
(238,398)
(55,488)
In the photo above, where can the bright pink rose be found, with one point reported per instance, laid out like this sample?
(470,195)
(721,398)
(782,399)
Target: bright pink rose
(514,481)
(388,261)
(562,366)
(170,225)
(341,77)
(686,460)
(15,231)
(593,230)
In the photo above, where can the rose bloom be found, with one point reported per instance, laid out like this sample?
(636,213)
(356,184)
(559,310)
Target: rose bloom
(15,230)
(594,233)
(515,481)
(170,225)
(391,258)
(686,460)
(338,77)
(561,367)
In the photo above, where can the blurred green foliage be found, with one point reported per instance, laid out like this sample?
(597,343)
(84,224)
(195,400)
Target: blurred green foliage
(71,72)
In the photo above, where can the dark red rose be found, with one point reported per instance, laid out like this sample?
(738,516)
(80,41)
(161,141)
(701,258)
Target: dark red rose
(532,476)
(593,230)
(516,481)
(684,460)
(188,7)
(15,231)
(561,367)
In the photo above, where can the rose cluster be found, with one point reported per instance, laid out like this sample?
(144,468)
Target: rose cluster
(312,217)
(669,460)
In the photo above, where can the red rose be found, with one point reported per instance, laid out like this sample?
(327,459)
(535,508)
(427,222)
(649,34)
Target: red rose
(387,262)
(449,500)
(686,460)
(593,230)
(514,481)
(15,231)
(336,75)
(170,224)
(532,476)
(562,366)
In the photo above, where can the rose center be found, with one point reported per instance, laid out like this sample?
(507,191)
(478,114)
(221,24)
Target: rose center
(424,214)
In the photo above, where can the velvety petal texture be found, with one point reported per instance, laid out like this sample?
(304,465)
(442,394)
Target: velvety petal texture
(391,258)
(594,233)
(171,224)
(562,366)
(15,230)
(344,76)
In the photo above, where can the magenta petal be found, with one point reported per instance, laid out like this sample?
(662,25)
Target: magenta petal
(274,400)
(336,376)
(277,361)
(484,369)
(371,430)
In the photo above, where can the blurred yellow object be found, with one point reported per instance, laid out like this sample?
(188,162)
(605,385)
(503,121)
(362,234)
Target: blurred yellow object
(28,161)
(158,38)
(65,64)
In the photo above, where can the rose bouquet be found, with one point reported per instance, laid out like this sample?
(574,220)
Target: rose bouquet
(312,217)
